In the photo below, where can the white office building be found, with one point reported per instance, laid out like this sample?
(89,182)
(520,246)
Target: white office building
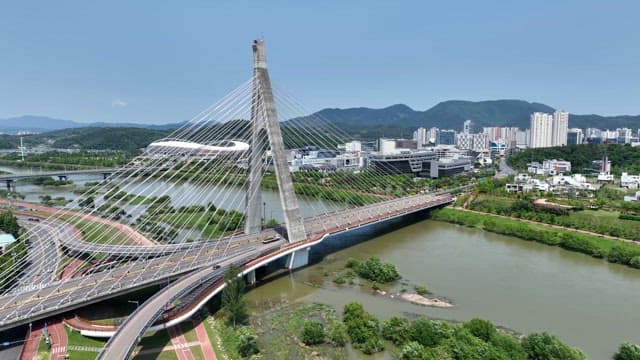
(353,146)
(475,142)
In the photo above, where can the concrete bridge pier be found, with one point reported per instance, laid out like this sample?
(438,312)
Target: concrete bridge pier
(105,175)
(251,277)
(62,177)
(298,259)
(11,185)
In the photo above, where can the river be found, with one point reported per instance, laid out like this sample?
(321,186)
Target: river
(524,286)
(182,193)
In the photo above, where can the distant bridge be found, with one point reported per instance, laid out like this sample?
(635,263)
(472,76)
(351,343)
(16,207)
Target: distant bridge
(10,179)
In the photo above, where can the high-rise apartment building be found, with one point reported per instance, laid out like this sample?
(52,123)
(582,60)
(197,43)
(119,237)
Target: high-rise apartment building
(560,128)
(420,136)
(541,130)
(433,135)
(466,127)
(508,135)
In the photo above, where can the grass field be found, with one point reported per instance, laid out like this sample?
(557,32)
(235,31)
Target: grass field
(98,233)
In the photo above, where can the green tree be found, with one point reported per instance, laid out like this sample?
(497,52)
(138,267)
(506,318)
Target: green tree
(396,330)
(375,270)
(543,346)
(429,332)
(363,328)
(312,333)
(9,224)
(480,328)
(628,351)
(233,296)
(87,202)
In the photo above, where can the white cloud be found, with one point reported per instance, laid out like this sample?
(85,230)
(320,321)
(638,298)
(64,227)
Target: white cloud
(118,103)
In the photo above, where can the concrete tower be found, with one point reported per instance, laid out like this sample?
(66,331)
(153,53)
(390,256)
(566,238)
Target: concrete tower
(264,120)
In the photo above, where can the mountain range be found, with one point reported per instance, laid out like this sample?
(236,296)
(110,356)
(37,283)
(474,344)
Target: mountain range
(451,114)
(33,123)
(394,120)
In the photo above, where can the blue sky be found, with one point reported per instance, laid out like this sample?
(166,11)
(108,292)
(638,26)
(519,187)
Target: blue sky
(164,61)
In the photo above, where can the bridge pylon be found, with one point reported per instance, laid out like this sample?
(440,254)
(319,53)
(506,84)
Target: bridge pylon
(264,123)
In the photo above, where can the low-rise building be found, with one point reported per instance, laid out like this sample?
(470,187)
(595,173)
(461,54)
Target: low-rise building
(5,241)
(635,198)
(629,181)
(549,167)
(574,182)
(526,184)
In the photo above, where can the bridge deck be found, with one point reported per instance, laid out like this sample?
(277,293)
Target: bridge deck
(61,296)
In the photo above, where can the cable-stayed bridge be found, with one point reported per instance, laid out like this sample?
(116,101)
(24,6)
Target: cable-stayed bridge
(236,144)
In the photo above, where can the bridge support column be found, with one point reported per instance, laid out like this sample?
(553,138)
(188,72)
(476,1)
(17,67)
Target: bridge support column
(264,119)
(11,185)
(62,177)
(251,277)
(105,175)
(298,259)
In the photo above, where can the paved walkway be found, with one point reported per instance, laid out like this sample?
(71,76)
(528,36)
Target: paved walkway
(31,343)
(203,338)
(58,339)
(180,343)
(71,269)
(166,348)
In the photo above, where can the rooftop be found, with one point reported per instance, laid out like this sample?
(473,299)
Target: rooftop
(6,239)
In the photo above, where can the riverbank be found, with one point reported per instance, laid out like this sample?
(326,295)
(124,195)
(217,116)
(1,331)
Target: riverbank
(614,251)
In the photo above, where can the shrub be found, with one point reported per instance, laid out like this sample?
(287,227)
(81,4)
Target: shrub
(412,350)
(621,255)
(363,328)
(375,270)
(312,333)
(337,333)
(421,290)
(628,351)
(546,346)
(247,342)
(352,263)
(509,346)
(480,328)
(339,280)
(396,330)
(428,332)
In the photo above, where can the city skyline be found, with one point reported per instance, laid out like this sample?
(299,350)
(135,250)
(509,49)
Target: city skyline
(121,63)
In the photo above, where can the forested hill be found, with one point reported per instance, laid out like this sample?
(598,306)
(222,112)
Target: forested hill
(88,138)
(400,119)
(107,138)
(623,157)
